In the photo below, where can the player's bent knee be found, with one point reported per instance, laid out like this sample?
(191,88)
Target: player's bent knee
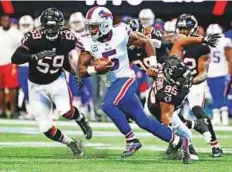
(107,107)
(198,112)
(45,126)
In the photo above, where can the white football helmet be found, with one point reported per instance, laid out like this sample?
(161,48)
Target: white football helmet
(213,29)
(99,22)
(146,17)
(169,26)
(37,23)
(77,21)
(26,24)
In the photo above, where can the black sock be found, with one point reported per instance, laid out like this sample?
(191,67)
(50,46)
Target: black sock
(72,114)
(199,113)
(56,135)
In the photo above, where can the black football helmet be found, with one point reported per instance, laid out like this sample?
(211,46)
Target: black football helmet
(186,24)
(176,72)
(52,22)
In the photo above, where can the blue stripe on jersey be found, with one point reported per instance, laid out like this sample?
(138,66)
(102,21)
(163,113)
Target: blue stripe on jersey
(109,53)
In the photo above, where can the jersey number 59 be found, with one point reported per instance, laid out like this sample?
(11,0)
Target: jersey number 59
(50,64)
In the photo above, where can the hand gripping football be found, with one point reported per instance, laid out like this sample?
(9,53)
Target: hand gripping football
(102,65)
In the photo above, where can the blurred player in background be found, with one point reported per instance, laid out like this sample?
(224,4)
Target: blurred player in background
(82,96)
(143,25)
(47,51)
(196,57)
(10,38)
(217,74)
(26,24)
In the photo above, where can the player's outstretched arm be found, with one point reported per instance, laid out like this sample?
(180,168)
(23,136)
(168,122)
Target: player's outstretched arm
(23,55)
(178,46)
(203,65)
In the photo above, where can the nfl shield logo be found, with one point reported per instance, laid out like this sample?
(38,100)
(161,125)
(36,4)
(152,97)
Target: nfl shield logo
(94,48)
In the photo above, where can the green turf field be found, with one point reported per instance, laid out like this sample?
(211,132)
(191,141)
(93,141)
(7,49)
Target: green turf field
(23,149)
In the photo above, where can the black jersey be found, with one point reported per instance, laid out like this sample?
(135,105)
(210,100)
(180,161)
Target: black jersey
(139,56)
(162,91)
(48,69)
(192,53)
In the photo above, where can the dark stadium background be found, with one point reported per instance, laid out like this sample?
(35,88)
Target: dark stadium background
(206,12)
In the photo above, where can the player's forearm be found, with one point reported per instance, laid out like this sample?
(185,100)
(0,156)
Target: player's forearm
(188,41)
(20,56)
(200,78)
(150,50)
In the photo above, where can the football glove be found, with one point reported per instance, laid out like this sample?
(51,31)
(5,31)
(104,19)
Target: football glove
(212,39)
(42,54)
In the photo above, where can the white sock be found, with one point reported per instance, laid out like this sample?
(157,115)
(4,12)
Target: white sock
(180,127)
(216,120)
(66,140)
(225,115)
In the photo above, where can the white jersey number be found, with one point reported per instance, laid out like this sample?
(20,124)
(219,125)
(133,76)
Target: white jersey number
(191,63)
(216,56)
(44,67)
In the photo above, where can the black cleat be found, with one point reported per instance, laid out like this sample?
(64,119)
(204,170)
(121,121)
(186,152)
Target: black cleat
(193,153)
(172,152)
(184,149)
(217,152)
(131,148)
(76,147)
(201,125)
(85,127)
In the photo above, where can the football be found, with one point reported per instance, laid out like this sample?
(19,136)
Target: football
(101,61)
(102,65)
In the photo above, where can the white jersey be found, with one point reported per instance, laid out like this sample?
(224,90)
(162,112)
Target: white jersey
(9,40)
(218,64)
(114,49)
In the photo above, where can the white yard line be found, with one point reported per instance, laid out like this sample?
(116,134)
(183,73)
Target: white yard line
(93,124)
(97,146)
(78,132)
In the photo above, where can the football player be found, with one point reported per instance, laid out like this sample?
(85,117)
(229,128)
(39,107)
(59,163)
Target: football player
(217,73)
(77,26)
(46,50)
(196,57)
(26,24)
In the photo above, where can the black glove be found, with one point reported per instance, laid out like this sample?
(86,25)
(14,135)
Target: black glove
(134,24)
(42,54)
(212,39)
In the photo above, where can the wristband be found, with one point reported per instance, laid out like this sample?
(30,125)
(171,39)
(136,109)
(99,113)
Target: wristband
(152,61)
(91,70)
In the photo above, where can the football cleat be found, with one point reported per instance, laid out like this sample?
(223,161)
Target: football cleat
(172,152)
(131,148)
(193,153)
(217,152)
(184,149)
(85,127)
(76,147)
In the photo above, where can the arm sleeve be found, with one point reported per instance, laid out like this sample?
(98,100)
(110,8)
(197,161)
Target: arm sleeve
(23,52)
(21,55)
